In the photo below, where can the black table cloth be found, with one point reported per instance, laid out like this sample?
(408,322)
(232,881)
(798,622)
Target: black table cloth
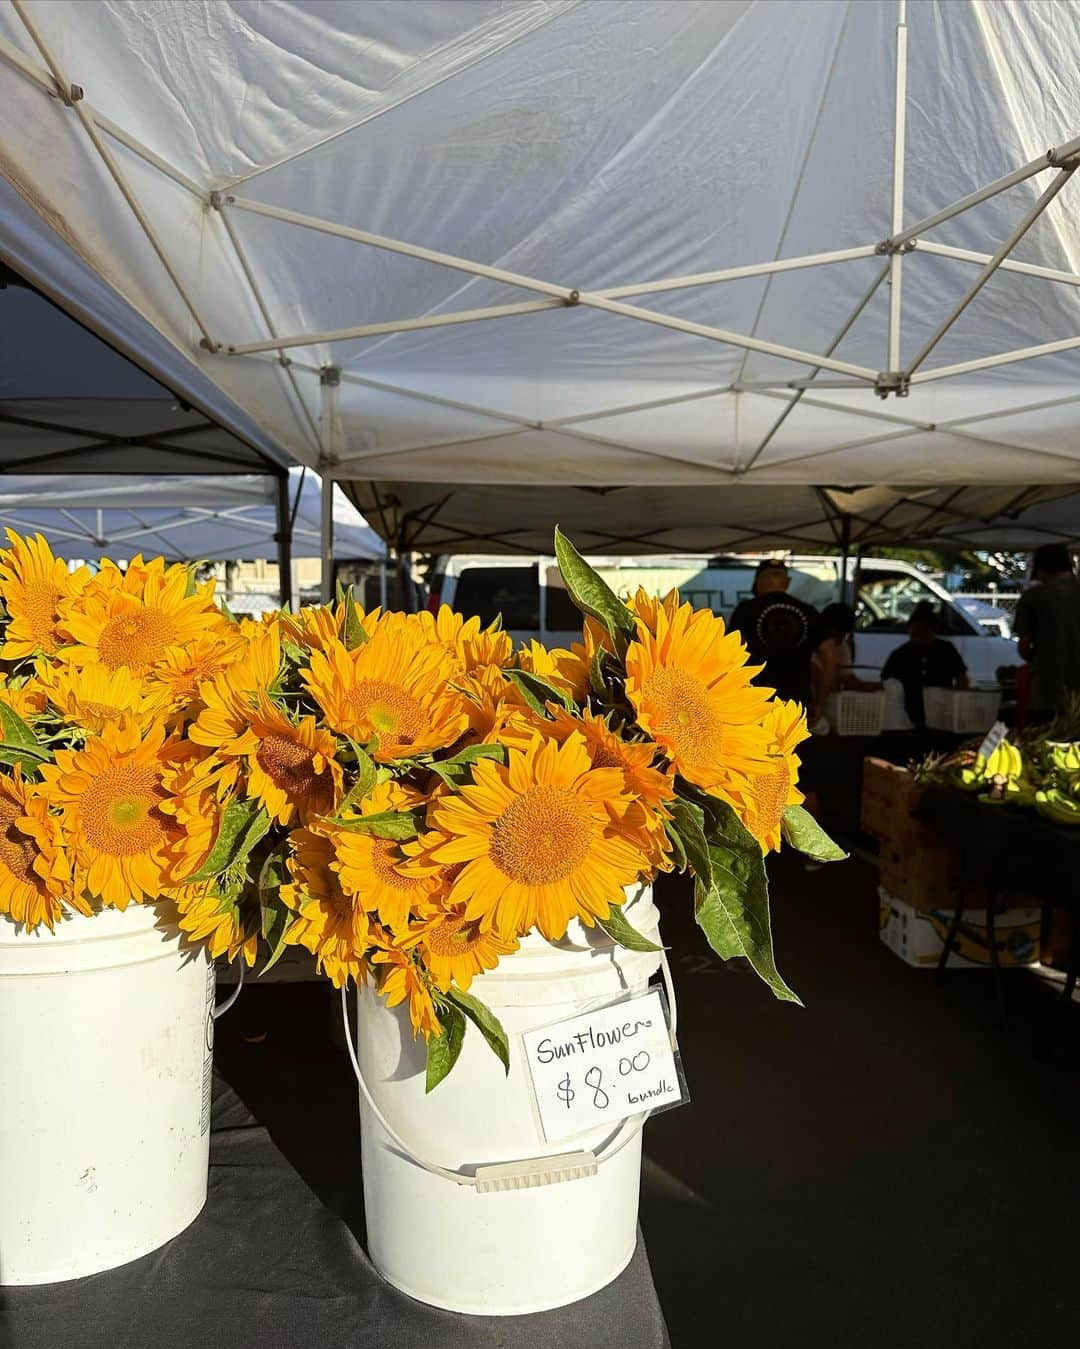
(267,1266)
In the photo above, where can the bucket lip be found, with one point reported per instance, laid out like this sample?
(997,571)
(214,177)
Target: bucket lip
(104,924)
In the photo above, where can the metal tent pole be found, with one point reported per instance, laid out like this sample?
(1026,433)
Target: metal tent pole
(1003,251)
(896,257)
(845,554)
(330,436)
(284,542)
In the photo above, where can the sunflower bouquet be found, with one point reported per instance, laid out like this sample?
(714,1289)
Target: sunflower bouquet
(402,795)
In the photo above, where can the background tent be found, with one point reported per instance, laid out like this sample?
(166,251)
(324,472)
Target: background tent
(183,518)
(586,243)
(449,518)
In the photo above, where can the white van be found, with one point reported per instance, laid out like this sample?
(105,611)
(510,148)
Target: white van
(529,594)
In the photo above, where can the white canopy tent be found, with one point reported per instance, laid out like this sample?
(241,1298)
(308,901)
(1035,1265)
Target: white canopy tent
(183,518)
(643,244)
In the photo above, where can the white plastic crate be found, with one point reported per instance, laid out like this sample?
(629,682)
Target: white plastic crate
(962,711)
(854,713)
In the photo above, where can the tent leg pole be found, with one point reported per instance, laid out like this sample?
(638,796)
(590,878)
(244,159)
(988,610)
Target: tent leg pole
(284,543)
(382,586)
(326,533)
(845,554)
(899,136)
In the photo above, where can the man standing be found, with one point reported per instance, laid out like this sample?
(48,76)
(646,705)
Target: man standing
(925,661)
(1048,625)
(781,632)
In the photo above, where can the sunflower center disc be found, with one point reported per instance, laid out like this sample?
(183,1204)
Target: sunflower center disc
(685,715)
(16,850)
(543,836)
(119,815)
(136,639)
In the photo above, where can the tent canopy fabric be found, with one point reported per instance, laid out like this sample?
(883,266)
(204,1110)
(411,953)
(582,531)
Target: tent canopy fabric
(183,518)
(445,518)
(642,244)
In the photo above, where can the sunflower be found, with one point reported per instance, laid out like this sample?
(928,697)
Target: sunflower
(537,839)
(372,868)
(229,697)
(393,689)
(770,792)
(568,671)
(90,696)
(184,670)
(455,949)
(316,627)
(225,925)
(33,586)
(137,618)
(27,699)
(292,769)
(465,641)
(648,787)
(400,977)
(34,874)
(690,686)
(330,923)
(492,702)
(646,608)
(110,794)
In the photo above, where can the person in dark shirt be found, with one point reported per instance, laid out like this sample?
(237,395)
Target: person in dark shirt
(924,661)
(781,632)
(1047,623)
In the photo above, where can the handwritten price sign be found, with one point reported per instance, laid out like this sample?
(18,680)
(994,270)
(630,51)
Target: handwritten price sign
(602,1066)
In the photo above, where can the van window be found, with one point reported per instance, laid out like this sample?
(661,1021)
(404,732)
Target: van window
(487,592)
(887,599)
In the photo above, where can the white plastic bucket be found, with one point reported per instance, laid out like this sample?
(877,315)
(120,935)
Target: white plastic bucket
(508,1252)
(106,1039)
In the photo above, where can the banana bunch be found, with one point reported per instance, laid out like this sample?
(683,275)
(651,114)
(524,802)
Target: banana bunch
(1005,774)
(1065,758)
(1058,807)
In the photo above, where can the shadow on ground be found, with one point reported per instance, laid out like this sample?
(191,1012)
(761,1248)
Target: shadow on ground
(881,1169)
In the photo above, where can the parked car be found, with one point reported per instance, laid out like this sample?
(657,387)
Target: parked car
(529,595)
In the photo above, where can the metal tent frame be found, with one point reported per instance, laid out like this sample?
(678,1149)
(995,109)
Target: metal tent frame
(338,461)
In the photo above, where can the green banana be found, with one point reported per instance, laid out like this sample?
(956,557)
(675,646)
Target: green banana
(1055,806)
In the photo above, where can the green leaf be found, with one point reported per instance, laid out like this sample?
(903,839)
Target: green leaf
(537,692)
(802,831)
(456,771)
(597,682)
(243,823)
(443,1050)
(25,758)
(294,655)
(367,775)
(352,633)
(590,592)
(734,911)
(688,821)
(393,824)
(189,589)
(621,930)
(16,732)
(677,848)
(486,1022)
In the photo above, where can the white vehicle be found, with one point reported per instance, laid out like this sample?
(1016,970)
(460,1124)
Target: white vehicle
(529,594)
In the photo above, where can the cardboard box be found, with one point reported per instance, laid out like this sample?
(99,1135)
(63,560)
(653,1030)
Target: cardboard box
(923,873)
(889,795)
(918,936)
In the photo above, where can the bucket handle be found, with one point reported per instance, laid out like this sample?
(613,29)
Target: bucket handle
(220,1010)
(528,1172)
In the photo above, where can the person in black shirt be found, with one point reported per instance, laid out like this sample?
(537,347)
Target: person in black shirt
(924,661)
(781,632)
